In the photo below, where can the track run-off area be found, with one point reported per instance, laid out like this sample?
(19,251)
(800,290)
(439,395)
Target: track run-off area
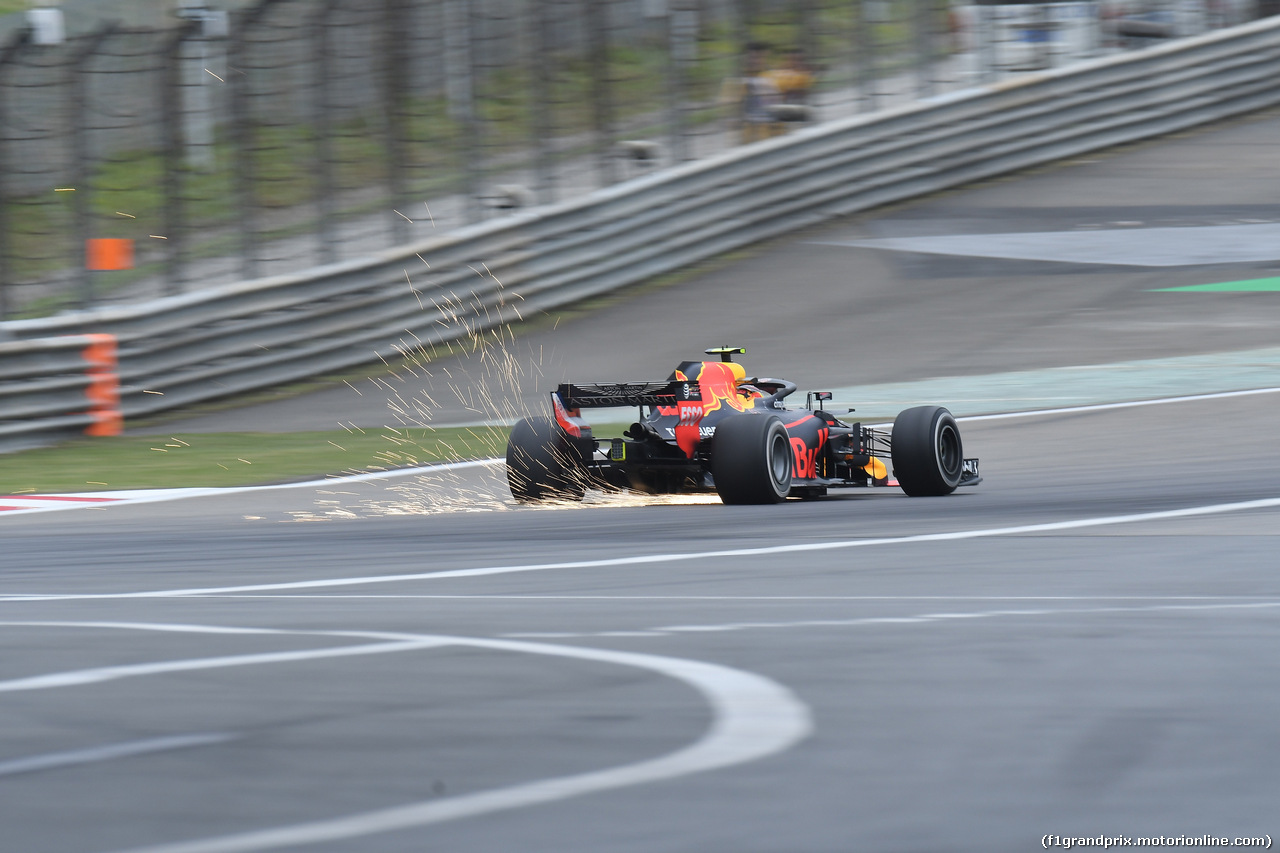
(1083,645)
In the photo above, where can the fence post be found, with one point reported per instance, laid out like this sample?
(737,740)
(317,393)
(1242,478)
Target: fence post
(196,109)
(739,13)
(806,38)
(81,172)
(984,44)
(544,164)
(242,138)
(1043,25)
(597,17)
(682,41)
(325,188)
(923,38)
(171,109)
(8,53)
(460,93)
(395,95)
(864,50)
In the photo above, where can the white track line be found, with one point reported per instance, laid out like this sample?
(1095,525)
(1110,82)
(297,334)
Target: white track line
(746,598)
(101,674)
(1103,407)
(915,619)
(752,717)
(677,557)
(55,760)
(941,617)
(101,500)
(1134,404)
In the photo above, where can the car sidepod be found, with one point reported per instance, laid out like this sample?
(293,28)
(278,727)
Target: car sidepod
(808,434)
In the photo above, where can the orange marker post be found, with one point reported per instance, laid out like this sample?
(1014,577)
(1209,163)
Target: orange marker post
(108,253)
(103,391)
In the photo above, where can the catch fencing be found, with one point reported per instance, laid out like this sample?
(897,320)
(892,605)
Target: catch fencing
(229,339)
(292,133)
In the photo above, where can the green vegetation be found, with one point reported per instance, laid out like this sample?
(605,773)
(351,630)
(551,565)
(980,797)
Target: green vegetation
(235,459)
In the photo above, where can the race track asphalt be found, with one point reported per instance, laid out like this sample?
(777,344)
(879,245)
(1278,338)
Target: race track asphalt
(1083,645)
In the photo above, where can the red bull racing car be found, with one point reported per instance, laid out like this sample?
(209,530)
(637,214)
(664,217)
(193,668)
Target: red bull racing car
(711,428)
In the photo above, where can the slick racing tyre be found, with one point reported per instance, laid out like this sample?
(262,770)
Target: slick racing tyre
(928,457)
(751,460)
(541,464)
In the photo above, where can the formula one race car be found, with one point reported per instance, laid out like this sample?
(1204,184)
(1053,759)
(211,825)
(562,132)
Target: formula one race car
(710,427)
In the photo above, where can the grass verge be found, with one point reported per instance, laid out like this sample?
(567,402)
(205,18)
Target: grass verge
(235,459)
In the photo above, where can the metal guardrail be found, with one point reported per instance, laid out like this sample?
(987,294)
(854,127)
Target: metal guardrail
(181,350)
(51,387)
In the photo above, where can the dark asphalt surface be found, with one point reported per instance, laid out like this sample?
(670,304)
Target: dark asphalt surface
(967,693)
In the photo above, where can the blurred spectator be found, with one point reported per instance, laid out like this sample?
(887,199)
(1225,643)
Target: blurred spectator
(756,97)
(793,80)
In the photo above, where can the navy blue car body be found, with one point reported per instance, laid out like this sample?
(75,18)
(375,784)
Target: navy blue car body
(710,428)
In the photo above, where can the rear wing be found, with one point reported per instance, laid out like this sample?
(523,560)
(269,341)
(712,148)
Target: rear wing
(604,395)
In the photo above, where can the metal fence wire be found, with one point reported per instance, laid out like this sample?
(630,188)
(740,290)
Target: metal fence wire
(296,133)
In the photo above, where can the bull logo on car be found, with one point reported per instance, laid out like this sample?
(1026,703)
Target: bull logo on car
(806,457)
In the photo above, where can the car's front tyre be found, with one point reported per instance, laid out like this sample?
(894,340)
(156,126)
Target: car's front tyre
(928,456)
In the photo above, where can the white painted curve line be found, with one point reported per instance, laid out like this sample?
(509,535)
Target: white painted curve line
(678,557)
(102,674)
(146,496)
(110,752)
(752,717)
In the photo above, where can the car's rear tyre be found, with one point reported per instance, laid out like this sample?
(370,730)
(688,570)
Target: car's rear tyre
(541,464)
(928,457)
(751,460)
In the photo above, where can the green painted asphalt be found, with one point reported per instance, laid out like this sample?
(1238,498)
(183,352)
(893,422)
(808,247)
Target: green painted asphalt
(1028,390)
(1256,285)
